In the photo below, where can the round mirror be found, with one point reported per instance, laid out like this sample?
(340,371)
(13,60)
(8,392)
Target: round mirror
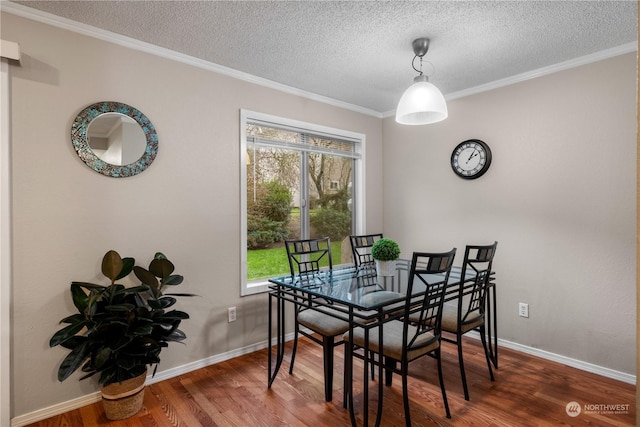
(114,139)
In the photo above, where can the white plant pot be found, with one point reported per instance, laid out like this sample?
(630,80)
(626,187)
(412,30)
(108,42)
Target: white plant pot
(386,268)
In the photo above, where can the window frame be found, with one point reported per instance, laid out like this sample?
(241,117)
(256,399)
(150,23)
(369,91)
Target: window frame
(359,140)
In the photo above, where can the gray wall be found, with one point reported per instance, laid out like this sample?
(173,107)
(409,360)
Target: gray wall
(559,197)
(65,216)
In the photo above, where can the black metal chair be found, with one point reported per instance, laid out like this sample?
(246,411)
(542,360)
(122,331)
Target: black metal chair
(468,311)
(361,249)
(305,257)
(403,340)
(362,259)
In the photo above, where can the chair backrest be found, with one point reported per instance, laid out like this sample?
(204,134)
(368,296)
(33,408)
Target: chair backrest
(430,270)
(306,255)
(478,260)
(361,249)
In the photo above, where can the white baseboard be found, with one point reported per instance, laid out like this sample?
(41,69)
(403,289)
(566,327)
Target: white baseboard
(574,363)
(70,405)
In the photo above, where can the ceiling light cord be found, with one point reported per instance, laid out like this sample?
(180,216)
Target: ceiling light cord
(433,69)
(413,64)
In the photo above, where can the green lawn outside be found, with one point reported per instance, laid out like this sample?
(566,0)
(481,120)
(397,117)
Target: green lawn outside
(266,263)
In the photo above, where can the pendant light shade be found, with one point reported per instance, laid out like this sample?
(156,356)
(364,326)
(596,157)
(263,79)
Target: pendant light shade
(422,103)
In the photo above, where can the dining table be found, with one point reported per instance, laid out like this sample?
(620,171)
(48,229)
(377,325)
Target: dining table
(362,298)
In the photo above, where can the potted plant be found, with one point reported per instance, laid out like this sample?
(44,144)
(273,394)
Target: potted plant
(118,331)
(385,252)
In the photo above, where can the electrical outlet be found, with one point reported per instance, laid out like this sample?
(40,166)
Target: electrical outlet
(232,314)
(523,309)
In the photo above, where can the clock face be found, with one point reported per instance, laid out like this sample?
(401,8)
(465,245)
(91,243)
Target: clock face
(471,159)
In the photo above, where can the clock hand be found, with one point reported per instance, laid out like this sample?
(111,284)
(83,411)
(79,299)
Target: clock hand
(475,153)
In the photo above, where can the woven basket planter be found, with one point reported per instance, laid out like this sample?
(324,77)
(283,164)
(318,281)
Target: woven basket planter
(124,400)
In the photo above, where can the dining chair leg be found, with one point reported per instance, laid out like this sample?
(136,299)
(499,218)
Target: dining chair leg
(405,393)
(295,347)
(486,351)
(348,373)
(461,363)
(327,347)
(440,378)
(345,393)
(373,366)
(390,366)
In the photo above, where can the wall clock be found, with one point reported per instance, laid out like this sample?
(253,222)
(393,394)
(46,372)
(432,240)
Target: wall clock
(471,159)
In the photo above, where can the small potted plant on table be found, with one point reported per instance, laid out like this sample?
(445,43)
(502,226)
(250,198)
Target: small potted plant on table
(118,331)
(385,252)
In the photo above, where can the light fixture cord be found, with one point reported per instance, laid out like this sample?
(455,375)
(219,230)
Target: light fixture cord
(413,62)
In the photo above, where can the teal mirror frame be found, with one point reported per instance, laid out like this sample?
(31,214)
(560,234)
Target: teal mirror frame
(80,140)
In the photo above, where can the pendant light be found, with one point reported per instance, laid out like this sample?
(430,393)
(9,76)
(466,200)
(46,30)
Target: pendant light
(422,103)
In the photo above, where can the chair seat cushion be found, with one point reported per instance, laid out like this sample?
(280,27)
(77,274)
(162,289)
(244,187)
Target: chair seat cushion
(322,323)
(392,340)
(450,319)
(378,297)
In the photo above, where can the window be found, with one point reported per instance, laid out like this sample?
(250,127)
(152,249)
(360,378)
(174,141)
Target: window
(298,181)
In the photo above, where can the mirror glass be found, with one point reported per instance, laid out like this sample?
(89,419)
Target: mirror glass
(114,139)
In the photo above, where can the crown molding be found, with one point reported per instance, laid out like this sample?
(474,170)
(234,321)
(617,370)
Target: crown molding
(519,78)
(572,63)
(131,43)
(88,30)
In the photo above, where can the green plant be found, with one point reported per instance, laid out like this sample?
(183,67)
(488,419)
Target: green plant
(333,223)
(262,232)
(385,249)
(268,214)
(273,201)
(119,331)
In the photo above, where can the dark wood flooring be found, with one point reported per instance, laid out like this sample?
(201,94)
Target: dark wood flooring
(528,391)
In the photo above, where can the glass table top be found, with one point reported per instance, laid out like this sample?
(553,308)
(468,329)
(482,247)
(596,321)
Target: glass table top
(362,288)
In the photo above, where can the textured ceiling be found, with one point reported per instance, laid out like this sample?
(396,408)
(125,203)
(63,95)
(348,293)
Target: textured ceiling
(359,52)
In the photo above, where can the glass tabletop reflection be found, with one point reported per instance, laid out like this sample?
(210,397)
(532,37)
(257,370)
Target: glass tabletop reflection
(359,288)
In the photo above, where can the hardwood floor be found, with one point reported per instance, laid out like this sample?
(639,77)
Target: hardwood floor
(528,391)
